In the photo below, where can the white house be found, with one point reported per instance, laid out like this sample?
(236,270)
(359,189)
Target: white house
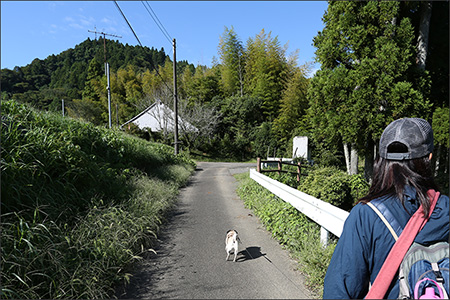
(158,117)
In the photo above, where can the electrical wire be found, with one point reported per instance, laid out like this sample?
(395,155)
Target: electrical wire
(129,25)
(157,21)
(126,20)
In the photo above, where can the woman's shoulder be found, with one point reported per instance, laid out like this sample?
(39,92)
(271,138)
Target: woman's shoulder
(442,206)
(443,200)
(366,209)
(361,213)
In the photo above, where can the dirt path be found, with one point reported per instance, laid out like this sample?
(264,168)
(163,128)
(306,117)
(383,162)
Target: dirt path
(190,261)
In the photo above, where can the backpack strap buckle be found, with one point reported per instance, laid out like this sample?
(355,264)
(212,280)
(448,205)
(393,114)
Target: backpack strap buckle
(437,273)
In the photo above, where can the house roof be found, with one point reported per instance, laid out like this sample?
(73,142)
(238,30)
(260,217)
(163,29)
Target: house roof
(158,117)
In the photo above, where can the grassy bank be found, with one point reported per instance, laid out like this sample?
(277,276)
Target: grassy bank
(295,231)
(79,204)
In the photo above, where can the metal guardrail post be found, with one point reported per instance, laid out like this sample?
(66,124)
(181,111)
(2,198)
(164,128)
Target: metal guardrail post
(324,235)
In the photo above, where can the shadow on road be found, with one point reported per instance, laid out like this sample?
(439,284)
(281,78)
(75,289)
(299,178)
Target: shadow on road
(249,253)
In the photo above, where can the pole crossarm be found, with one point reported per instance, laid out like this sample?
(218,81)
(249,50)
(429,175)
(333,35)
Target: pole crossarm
(104,33)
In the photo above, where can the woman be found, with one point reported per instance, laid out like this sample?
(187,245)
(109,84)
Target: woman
(402,177)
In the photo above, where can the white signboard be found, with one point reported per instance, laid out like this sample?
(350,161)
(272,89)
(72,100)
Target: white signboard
(300,147)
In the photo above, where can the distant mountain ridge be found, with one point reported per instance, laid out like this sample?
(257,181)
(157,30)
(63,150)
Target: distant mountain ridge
(67,72)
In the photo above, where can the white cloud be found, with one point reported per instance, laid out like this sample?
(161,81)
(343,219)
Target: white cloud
(80,22)
(53,29)
(85,22)
(76,26)
(108,21)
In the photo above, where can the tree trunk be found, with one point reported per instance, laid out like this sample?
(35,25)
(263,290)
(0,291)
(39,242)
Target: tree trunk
(347,158)
(241,80)
(369,160)
(424,29)
(353,160)
(440,159)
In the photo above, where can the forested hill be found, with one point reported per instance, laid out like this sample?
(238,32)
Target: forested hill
(65,74)
(255,98)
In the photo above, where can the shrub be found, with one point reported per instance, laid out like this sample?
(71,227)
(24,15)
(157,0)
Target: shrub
(334,186)
(285,178)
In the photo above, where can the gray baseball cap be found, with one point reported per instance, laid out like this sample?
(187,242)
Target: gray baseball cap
(416,134)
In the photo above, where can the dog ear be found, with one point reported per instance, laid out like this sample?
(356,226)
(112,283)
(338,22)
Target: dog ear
(236,232)
(228,231)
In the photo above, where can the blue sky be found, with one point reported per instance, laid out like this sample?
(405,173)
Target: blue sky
(37,29)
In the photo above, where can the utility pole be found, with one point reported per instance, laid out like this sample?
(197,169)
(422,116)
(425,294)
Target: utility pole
(108,88)
(63,107)
(175,98)
(106,68)
(104,40)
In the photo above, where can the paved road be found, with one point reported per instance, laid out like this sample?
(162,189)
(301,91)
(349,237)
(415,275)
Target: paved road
(190,261)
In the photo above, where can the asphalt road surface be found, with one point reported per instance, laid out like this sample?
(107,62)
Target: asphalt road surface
(190,260)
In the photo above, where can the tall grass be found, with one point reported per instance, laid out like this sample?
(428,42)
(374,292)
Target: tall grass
(79,204)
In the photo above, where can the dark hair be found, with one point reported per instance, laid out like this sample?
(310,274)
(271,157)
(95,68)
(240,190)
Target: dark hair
(391,176)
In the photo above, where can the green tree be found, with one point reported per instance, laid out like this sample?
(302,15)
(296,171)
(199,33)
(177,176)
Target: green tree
(366,51)
(89,107)
(266,71)
(240,117)
(231,52)
(202,86)
(440,126)
(293,108)
(95,72)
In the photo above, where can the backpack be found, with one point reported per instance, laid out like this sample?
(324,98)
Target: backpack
(424,270)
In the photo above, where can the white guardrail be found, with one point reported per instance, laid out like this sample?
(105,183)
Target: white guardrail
(329,217)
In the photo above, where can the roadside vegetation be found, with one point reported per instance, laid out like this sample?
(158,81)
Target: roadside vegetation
(79,205)
(295,231)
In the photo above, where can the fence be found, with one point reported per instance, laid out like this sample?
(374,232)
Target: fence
(329,217)
(279,162)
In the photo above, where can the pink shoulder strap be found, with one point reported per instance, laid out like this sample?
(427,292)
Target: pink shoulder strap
(398,251)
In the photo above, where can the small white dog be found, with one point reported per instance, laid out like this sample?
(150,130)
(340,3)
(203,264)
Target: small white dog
(231,243)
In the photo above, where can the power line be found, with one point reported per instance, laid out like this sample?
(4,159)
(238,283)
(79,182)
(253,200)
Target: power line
(129,25)
(157,21)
